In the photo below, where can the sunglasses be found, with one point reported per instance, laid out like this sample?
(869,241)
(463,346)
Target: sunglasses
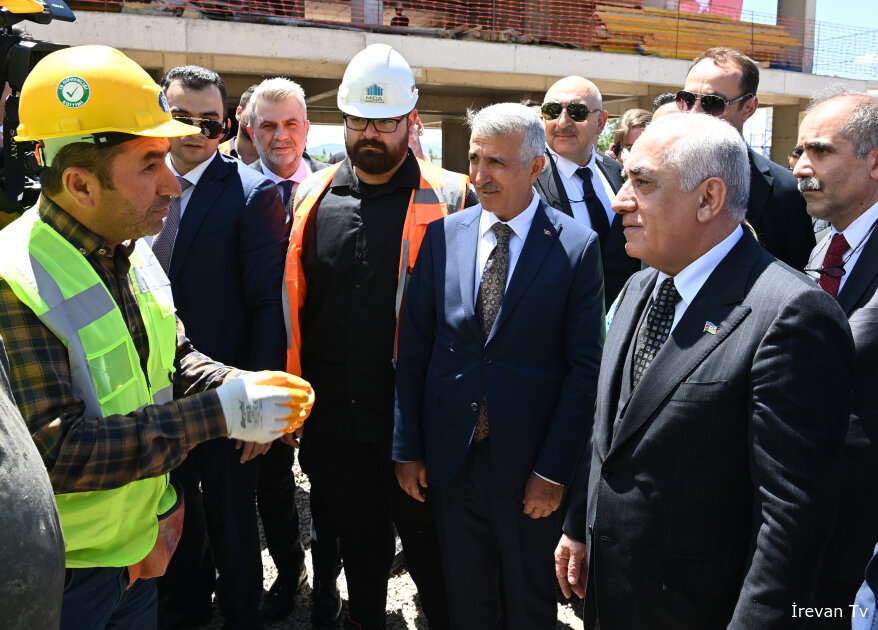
(210,129)
(712,104)
(578,112)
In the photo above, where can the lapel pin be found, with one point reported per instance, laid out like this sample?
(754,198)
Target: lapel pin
(709,327)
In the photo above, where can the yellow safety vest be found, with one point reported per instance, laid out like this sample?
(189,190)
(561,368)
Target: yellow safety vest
(439,193)
(104,528)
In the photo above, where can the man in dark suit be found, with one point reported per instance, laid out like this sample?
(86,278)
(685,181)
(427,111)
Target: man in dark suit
(838,174)
(225,261)
(723,398)
(279,128)
(775,209)
(578,180)
(498,356)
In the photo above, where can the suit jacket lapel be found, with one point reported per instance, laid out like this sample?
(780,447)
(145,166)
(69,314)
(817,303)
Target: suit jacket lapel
(718,302)
(862,276)
(202,200)
(613,177)
(556,192)
(616,345)
(539,241)
(761,182)
(466,241)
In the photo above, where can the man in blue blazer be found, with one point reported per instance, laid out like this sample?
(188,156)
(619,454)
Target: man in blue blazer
(225,263)
(498,358)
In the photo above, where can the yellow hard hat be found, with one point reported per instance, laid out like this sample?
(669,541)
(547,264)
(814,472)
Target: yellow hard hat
(85,93)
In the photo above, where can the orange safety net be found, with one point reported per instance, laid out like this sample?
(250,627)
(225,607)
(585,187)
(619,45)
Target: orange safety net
(623,26)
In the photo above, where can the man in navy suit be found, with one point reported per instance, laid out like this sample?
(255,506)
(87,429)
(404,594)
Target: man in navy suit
(720,419)
(580,181)
(838,175)
(498,357)
(225,263)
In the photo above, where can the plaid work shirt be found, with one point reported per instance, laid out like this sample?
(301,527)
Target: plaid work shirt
(84,453)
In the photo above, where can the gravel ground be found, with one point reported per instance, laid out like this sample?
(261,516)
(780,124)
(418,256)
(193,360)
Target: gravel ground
(403,609)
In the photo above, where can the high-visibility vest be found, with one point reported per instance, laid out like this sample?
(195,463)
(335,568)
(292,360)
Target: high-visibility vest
(439,193)
(103,528)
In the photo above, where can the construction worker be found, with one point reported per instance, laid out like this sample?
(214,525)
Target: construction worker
(357,229)
(113,393)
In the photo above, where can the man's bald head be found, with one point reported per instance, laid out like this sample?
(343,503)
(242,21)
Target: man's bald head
(569,138)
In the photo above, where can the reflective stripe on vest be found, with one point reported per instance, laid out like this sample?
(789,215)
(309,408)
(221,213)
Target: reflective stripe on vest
(107,527)
(439,193)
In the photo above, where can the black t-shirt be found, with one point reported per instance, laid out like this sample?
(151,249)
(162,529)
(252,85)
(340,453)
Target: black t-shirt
(350,258)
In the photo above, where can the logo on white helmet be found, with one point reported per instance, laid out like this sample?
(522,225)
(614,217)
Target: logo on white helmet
(374,93)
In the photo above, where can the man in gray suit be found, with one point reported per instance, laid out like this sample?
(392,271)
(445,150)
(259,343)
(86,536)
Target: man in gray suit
(721,411)
(279,128)
(838,174)
(580,181)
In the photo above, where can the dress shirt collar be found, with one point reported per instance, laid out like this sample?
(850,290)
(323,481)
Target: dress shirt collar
(195,174)
(856,232)
(568,169)
(297,178)
(83,239)
(690,280)
(520,224)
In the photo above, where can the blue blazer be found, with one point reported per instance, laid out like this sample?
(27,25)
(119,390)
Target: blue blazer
(227,267)
(537,368)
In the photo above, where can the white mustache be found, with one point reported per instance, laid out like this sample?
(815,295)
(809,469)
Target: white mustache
(809,183)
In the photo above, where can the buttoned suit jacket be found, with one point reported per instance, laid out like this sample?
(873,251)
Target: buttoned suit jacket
(227,266)
(617,265)
(537,368)
(857,529)
(776,210)
(711,501)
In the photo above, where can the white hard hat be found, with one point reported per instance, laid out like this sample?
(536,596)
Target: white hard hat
(378,83)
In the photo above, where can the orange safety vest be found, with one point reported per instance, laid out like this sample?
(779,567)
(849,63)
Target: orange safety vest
(439,193)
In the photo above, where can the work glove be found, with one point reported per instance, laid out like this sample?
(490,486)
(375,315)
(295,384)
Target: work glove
(260,406)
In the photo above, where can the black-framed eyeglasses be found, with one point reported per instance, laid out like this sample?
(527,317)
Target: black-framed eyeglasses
(210,129)
(712,104)
(578,112)
(381,125)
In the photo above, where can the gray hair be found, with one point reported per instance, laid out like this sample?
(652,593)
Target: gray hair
(506,119)
(861,126)
(276,90)
(708,147)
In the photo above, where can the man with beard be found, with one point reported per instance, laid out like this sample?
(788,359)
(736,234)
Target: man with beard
(279,128)
(357,230)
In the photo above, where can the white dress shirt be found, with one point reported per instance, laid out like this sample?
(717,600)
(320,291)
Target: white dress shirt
(690,280)
(573,187)
(297,178)
(856,235)
(520,226)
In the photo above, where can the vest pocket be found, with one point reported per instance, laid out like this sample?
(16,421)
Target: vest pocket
(111,371)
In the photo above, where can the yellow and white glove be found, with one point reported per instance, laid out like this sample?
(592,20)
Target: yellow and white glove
(261,406)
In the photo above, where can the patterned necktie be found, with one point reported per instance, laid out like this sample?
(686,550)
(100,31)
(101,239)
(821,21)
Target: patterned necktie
(491,291)
(286,189)
(163,243)
(828,281)
(655,329)
(596,212)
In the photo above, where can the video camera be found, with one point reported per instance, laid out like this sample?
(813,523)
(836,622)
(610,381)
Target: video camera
(19,187)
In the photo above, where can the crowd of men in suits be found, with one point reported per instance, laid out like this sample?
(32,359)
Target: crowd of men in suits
(647,384)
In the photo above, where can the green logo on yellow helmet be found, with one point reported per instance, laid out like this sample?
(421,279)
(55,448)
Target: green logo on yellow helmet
(73,92)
